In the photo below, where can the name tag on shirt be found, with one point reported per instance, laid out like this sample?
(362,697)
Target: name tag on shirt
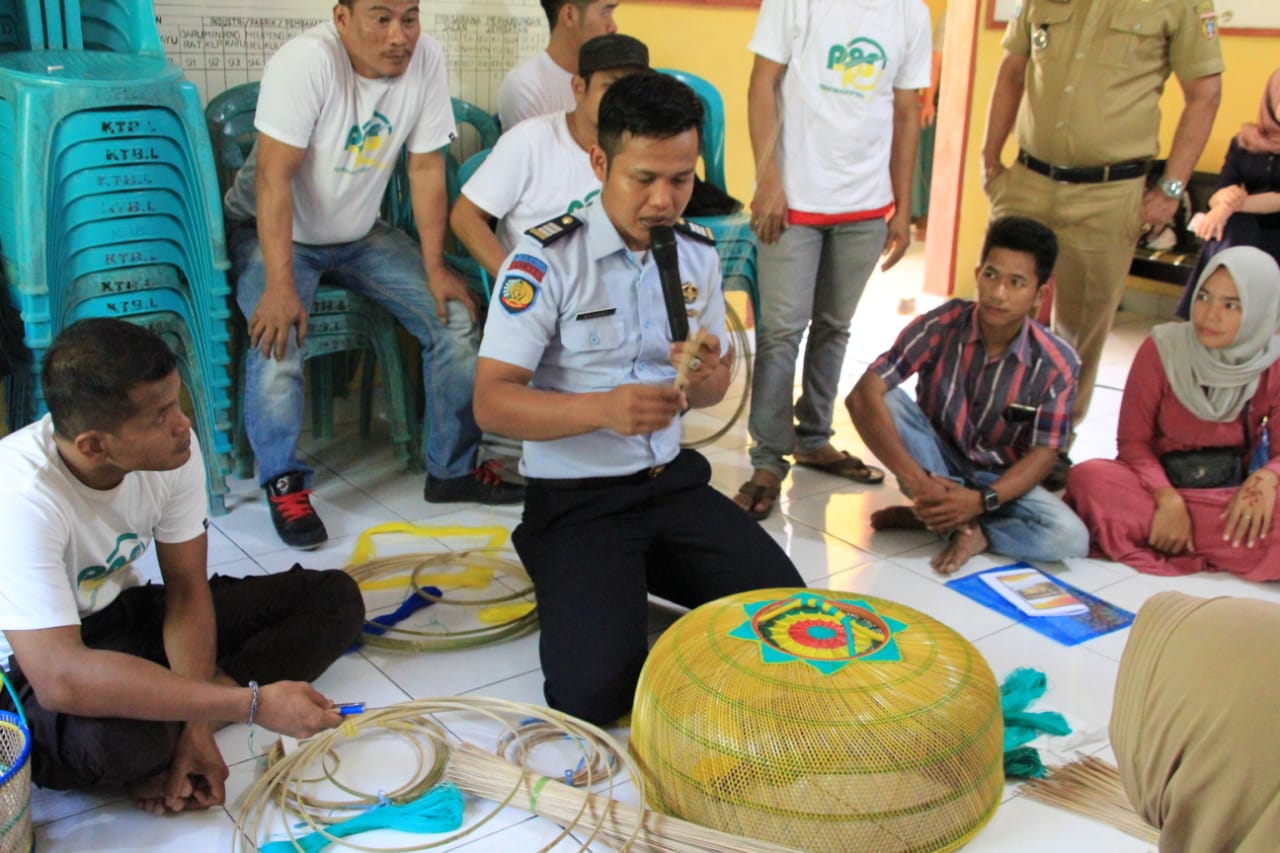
(597,314)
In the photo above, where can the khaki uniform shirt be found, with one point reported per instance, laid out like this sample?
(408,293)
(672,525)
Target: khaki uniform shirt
(1097,68)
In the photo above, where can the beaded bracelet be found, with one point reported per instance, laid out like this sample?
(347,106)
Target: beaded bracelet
(253,702)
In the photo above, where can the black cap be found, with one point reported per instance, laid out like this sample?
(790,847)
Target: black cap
(611,51)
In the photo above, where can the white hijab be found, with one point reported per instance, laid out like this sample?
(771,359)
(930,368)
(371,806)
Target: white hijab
(1215,384)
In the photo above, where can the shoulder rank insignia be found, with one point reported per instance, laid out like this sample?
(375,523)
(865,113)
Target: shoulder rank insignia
(553,229)
(701,233)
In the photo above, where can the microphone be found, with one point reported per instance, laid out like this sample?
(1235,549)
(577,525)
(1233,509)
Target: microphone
(662,240)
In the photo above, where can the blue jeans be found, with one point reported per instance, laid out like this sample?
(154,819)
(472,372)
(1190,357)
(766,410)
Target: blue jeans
(811,278)
(1036,526)
(385,266)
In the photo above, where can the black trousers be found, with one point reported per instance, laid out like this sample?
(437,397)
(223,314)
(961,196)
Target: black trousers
(594,555)
(286,626)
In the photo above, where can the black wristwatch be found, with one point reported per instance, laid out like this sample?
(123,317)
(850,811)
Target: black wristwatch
(990,500)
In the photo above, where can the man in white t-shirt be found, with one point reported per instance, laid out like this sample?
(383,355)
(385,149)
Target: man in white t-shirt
(337,104)
(834,120)
(544,83)
(123,684)
(541,169)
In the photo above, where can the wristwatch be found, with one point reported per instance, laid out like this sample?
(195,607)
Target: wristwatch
(990,500)
(1171,187)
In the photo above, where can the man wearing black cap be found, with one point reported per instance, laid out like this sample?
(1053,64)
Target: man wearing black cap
(540,169)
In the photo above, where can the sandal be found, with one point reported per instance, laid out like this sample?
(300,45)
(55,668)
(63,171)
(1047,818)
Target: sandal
(755,493)
(850,467)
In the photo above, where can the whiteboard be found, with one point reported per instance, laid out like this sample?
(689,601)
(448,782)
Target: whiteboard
(226,42)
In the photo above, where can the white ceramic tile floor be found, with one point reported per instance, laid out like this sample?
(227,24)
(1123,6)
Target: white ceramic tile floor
(821,523)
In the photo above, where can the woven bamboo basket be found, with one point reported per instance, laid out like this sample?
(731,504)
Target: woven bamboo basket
(820,720)
(16,835)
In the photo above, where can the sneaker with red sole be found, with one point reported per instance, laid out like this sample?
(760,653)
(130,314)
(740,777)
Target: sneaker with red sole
(291,512)
(482,486)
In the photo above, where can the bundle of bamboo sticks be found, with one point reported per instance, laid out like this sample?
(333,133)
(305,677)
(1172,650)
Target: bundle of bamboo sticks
(1091,787)
(624,826)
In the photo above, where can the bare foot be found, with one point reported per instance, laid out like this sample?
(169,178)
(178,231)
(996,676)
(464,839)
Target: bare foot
(148,794)
(967,541)
(762,505)
(825,456)
(896,518)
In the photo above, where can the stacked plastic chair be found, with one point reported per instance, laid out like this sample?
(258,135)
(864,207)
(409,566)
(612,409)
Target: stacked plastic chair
(735,241)
(340,322)
(111,207)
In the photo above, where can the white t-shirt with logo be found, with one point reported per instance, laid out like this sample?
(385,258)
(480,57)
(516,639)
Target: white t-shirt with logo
(352,127)
(70,549)
(844,60)
(535,87)
(535,172)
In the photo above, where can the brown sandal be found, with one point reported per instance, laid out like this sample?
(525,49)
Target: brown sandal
(755,493)
(850,467)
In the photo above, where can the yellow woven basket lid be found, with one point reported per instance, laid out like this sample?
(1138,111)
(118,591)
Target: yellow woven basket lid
(822,720)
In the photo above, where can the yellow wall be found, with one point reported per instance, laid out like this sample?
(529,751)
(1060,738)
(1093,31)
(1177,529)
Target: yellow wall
(712,43)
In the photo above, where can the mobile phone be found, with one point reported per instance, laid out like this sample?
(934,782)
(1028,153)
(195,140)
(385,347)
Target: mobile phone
(1019,413)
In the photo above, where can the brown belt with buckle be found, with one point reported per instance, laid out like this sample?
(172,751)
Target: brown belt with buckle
(1124,171)
(568,484)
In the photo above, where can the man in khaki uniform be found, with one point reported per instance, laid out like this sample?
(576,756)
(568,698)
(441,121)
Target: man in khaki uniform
(1083,80)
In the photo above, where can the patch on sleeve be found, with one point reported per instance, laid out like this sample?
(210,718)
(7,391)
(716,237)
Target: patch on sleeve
(517,294)
(701,233)
(534,268)
(1209,24)
(553,229)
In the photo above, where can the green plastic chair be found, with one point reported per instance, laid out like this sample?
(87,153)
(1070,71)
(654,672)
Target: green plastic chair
(341,322)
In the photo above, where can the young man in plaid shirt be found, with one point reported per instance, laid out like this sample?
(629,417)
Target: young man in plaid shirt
(992,409)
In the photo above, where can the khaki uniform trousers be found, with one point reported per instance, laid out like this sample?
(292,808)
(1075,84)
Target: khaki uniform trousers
(1097,226)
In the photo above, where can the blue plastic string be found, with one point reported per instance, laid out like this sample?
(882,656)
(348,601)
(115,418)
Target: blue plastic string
(407,608)
(438,810)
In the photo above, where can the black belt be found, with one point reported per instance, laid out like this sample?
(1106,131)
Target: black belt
(566,484)
(1087,174)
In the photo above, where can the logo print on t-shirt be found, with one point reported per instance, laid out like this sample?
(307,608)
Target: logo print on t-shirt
(128,548)
(860,63)
(364,145)
(575,205)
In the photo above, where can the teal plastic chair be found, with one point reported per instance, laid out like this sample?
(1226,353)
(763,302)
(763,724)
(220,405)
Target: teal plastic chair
(735,241)
(341,321)
(461,261)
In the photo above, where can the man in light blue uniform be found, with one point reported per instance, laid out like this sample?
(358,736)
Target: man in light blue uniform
(578,362)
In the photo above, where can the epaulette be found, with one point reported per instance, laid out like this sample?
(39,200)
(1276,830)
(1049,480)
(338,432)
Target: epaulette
(701,233)
(553,229)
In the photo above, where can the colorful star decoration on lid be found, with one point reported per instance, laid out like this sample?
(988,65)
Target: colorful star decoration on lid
(826,633)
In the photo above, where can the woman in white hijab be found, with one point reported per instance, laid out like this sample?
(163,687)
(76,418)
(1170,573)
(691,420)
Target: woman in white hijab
(1194,487)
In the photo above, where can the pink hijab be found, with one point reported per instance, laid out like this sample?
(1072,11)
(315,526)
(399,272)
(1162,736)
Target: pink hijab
(1264,136)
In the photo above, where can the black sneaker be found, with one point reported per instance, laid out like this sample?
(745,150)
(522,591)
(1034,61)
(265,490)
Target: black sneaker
(1056,480)
(482,486)
(291,512)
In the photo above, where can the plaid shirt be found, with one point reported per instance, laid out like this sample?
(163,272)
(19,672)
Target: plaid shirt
(964,393)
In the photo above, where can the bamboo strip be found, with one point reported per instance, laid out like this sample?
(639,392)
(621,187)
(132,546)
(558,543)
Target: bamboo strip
(1091,787)
(625,826)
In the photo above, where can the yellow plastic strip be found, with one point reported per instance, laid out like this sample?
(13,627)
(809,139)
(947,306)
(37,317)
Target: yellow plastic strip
(500,614)
(363,552)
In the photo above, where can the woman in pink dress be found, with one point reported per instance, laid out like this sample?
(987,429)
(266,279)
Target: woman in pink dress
(1210,384)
